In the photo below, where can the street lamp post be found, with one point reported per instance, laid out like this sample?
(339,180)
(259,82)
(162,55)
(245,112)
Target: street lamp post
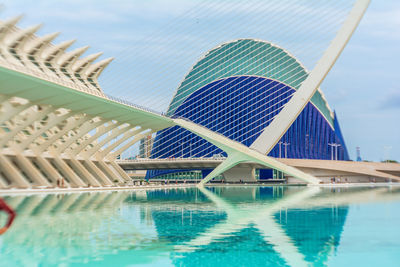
(331,145)
(334,146)
(286,145)
(337,145)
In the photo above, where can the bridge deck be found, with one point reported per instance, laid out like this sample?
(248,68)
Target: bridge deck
(373,169)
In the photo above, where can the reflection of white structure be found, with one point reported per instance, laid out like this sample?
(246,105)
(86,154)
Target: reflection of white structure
(261,216)
(51,101)
(107,222)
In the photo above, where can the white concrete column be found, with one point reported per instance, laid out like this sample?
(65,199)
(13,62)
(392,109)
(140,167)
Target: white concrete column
(31,170)
(67,172)
(13,173)
(109,172)
(98,173)
(83,172)
(53,174)
(3,184)
(121,172)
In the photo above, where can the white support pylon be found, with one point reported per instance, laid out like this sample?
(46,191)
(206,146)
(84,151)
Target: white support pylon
(238,153)
(274,132)
(278,127)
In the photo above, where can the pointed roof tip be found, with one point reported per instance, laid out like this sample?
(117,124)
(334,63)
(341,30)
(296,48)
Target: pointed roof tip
(87,59)
(34,28)
(63,45)
(98,54)
(51,36)
(104,62)
(67,57)
(14,20)
(42,40)
(69,42)
(93,56)
(92,70)
(81,49)
(109,59)
(66,44)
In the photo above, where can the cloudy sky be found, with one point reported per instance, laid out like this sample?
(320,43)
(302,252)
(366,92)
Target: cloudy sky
(363,87)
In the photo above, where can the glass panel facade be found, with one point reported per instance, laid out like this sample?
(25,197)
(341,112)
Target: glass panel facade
(240,108)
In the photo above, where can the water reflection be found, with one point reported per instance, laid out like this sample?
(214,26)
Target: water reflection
(277,226)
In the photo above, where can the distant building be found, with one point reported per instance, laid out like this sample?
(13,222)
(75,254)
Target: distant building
(145,147)
(358,154)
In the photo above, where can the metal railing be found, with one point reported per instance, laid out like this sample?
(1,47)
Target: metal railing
(127,103)
(169,159)
(69,84)
(201,126)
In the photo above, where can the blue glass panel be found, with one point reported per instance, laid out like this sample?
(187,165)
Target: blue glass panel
(219,106)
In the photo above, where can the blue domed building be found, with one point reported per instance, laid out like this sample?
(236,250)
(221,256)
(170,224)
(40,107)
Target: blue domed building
(236,89)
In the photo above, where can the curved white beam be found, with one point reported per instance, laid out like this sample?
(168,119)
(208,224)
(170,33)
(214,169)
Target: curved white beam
(31,118)
(129,144)
(111,135)
(93,139)
(278,127)
(72,123)
(125,137)
(52,122)
(83,130)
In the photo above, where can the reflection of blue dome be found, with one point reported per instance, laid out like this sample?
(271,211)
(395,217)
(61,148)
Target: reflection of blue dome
(315,232)
(239,100)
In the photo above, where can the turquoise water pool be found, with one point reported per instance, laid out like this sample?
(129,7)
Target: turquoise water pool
(222,226)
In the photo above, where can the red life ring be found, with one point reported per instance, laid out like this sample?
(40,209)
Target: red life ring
(11,215)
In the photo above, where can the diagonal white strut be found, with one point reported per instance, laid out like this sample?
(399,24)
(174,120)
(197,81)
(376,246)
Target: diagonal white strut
(278,127)
(237,153)
(273,133)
